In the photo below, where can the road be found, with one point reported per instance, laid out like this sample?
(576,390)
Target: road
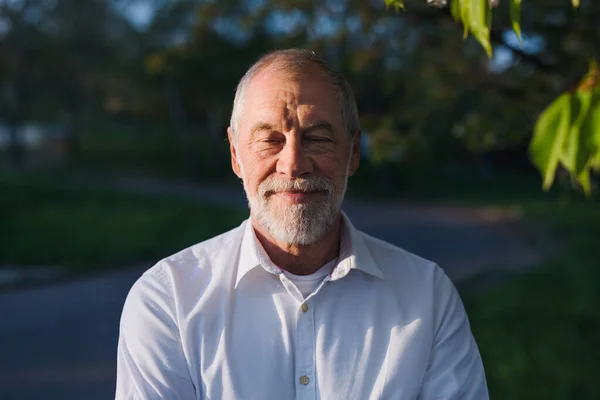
(59,341)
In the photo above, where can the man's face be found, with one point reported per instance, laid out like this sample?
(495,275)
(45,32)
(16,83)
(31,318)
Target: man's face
(293,154)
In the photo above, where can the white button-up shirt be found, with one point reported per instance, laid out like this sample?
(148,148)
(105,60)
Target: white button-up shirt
(219,321)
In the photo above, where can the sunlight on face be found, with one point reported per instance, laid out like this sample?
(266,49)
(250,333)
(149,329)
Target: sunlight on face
(293,156)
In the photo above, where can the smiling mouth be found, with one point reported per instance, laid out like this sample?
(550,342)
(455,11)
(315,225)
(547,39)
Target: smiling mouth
(297,196)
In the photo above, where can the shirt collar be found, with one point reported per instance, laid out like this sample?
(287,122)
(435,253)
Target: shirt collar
(354,254)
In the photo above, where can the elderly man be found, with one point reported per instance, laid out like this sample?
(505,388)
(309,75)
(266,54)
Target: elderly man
(296,303)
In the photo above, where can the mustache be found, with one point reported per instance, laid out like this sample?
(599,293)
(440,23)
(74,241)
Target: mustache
(311,184)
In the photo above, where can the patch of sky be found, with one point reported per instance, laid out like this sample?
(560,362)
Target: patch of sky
(285,22)
(530,43)
(504,58)
(231,30)
(140,13)
(325,25)
(254,5)
(31,14)
(336,6)
(354,24)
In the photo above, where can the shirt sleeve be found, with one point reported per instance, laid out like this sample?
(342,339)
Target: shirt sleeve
(150,359)
(455,370)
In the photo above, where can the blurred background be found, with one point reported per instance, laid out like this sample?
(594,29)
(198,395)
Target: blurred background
(113,155)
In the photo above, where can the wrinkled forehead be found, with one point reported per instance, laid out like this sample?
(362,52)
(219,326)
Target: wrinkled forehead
(275,89)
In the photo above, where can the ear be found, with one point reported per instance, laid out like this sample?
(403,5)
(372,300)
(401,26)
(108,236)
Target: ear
(355,153)
(235,165)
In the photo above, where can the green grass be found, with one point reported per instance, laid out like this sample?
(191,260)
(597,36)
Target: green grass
(539,333)
(86,228)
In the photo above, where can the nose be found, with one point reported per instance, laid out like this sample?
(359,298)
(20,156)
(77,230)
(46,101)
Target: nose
(293,160)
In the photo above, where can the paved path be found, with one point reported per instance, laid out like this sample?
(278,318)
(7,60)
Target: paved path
(59,341)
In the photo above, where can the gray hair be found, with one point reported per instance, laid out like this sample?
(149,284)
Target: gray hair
(298,61)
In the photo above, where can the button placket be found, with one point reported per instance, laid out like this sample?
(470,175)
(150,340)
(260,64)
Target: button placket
(305,354)
(291,288)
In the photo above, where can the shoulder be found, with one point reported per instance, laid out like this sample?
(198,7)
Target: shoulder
(406,271)
(392,259)
(204,254)
(419,285)
(196,266)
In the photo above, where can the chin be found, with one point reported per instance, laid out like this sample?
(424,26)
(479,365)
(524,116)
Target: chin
(299,224)
(296,223)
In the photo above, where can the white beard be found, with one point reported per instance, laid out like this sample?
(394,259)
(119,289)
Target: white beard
(297,224)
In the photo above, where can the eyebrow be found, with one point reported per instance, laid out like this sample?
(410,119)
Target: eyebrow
(312,126)
(259,127)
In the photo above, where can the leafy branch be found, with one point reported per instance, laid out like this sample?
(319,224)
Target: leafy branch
(567,133)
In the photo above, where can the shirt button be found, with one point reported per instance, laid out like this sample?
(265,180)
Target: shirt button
(305,309)
(304,380)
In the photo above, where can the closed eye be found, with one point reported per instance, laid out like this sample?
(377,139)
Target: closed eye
(270,141)
(318,139)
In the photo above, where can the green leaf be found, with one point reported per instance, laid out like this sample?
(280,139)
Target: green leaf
(549,135)
(590,132)
(576,154)
(480,22)
(595,163)
(584,180)
(465,11)
(476,17)
(580,148)
(455,9)
(515,17)
(396,4)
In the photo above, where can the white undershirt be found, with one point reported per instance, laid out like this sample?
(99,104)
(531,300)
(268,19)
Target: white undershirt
(306,284)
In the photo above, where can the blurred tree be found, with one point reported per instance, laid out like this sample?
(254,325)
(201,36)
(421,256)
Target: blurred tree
(423,92)
(568,132)
(57,59)
(17,67)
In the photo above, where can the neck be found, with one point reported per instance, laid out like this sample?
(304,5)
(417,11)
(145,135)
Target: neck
(301,260)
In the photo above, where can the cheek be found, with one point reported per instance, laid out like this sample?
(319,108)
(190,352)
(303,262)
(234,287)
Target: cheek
(254,173)
(334,168)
